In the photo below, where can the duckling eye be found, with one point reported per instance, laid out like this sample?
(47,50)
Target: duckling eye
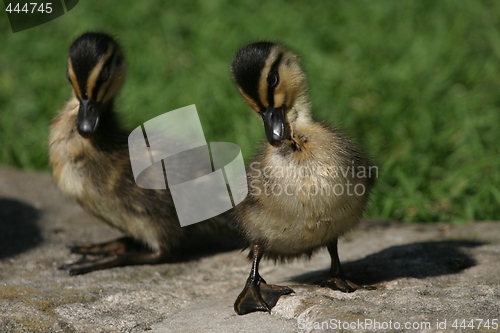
(104,74)
(118,61)
(272,80)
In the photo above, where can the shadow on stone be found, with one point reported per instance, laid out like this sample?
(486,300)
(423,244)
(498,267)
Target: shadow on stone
(18,229)
(416,260)
(199,247)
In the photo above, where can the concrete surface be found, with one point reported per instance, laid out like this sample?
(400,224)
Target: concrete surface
(425,275)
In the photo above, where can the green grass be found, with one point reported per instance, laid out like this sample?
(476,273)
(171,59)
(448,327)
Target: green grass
(417,84)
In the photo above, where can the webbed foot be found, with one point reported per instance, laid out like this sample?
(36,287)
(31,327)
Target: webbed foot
(259,296)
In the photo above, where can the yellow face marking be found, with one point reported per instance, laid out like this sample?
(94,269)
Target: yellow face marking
(263,85)
(249,100)
(112,86)
(291,81)
(96,72)
(73,80)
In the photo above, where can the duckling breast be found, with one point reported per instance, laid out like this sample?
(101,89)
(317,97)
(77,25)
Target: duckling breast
(302,200)
(67,151)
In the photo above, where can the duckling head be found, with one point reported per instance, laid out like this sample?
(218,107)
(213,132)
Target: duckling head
(96,71)
(270,79)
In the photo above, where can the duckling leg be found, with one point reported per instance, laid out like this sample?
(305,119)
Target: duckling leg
(86,265)
(257,295)
(120,245)
(121,252)
(336,279)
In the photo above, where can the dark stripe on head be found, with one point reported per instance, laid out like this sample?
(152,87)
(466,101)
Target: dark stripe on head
(85,53)
(270,87)
(247,68)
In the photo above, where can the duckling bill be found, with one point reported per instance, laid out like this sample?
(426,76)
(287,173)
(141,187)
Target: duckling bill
(90,163)
(303,195)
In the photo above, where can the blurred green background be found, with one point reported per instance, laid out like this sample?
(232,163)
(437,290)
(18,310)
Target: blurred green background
(416,84)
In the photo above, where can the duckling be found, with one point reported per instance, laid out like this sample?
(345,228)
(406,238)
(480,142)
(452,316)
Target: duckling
(310,184)
(90,163)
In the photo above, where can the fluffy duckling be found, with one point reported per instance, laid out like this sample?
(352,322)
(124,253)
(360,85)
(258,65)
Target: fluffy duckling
(308,187)
(90,162)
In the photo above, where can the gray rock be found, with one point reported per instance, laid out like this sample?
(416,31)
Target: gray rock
(425,274)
